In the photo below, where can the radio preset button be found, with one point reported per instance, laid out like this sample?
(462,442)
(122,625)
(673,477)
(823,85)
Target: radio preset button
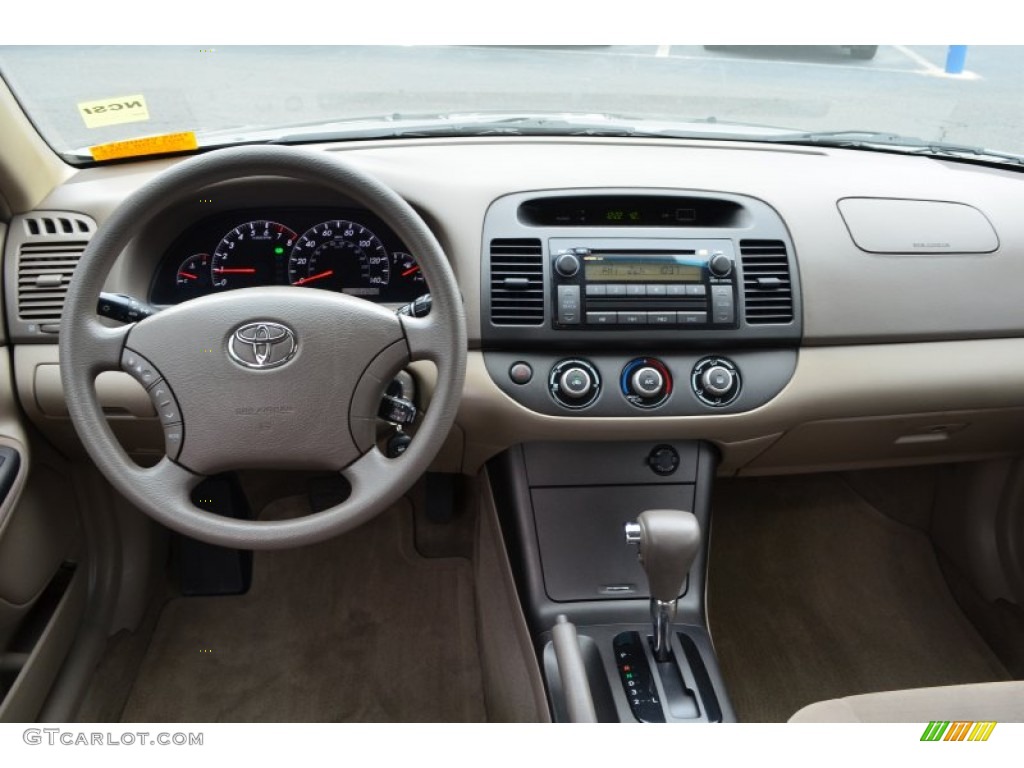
(657,290)
(636,289)
(632,318)
(696,290)
(597,289)
(676,290)
(615,289)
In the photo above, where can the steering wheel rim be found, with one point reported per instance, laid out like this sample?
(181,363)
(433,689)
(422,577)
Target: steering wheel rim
(376,343)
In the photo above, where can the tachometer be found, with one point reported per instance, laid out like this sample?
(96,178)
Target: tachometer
(252,254)
(340,255)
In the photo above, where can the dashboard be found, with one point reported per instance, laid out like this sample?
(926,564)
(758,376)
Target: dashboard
(902,339)
(348,250)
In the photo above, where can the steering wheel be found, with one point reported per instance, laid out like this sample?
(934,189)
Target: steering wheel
(272,377)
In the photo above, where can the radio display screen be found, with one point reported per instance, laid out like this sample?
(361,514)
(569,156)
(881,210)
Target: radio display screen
(624,269)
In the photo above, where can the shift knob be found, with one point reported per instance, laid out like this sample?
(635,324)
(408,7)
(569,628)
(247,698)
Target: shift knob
(668,540)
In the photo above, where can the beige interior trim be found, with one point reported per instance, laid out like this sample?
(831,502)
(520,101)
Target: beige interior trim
(849,382)
(29,169)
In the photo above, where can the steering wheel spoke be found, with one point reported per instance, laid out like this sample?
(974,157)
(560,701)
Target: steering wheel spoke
(428,338)
(101,345)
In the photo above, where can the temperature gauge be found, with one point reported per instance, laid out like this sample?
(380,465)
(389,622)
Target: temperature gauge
(406,268)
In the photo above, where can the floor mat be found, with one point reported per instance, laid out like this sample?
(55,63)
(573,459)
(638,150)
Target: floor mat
(358,628)
(814,594)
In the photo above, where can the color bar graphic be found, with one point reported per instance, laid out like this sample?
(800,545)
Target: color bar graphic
(958,730)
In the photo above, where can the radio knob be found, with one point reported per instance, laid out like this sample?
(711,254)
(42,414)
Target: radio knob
(648,382)
(567,265)
(576,383)
(720,265)
(718,380)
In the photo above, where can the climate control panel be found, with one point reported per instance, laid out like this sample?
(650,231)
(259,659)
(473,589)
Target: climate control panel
(618,384)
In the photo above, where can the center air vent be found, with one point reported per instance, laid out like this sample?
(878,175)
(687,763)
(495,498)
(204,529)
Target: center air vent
(767,288)
(44,271)
(517,282)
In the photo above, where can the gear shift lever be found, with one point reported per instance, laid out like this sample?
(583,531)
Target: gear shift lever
(668,541)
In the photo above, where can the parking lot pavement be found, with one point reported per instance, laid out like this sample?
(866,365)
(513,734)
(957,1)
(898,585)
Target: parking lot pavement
(903,89)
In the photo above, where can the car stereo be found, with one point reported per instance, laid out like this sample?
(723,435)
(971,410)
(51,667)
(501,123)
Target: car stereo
(643,283)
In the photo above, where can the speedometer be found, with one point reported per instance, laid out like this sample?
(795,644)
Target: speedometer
(251,254)
(340,255)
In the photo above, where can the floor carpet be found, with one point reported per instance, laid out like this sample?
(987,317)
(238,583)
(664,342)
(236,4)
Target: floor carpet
(359,628)
(814,594)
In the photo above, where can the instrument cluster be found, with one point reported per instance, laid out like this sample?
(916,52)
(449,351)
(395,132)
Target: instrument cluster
(336,249)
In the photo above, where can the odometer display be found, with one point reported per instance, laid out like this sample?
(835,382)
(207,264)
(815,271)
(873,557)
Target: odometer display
(340,255)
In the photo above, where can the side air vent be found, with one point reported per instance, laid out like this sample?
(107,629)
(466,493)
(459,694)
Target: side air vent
(767,289)
(517,282)
(44,271)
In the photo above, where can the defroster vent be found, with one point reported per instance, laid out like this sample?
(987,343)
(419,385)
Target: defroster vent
(517,282)
(767,287)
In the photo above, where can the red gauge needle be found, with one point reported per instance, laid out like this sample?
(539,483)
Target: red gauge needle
(189,275)
(411,270)
(235,270)
(311,278)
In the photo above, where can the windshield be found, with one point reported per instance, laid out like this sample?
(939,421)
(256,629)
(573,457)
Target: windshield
(81,97)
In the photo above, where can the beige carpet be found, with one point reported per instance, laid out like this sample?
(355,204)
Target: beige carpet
(814,594)
(359,628)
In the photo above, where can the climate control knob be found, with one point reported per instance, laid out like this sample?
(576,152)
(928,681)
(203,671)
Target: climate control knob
(715,381)
(574,383)
(648,382)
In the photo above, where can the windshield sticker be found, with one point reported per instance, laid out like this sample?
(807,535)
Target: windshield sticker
(114,111)
(147,145)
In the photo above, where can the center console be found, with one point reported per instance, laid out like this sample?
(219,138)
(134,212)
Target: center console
(564,509)
(628,304)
